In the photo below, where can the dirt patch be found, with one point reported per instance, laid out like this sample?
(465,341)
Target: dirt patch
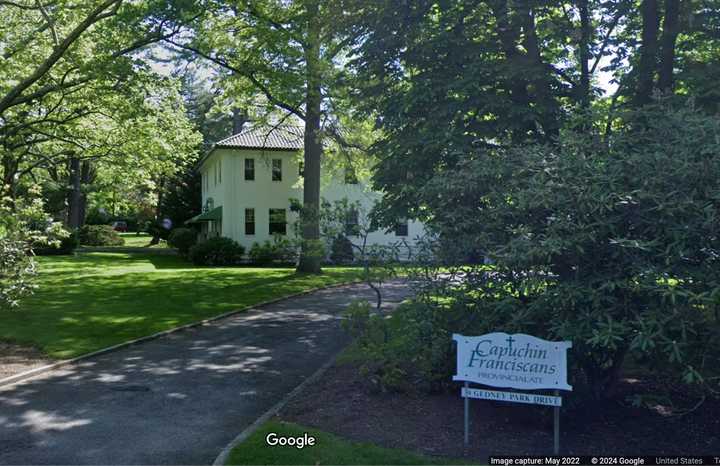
(15,359)
(432,424)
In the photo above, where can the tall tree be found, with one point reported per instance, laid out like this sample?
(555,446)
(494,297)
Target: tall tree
(449,80)
(667,43)
(58,59)
(287,52)
(647,63)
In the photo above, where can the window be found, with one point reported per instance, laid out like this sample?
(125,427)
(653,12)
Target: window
(220,171)
(352,223)
(249,169)
(278,222)
(401,228)
(277,169)
(215,175)
(301,168)
(249,221)
(350,176)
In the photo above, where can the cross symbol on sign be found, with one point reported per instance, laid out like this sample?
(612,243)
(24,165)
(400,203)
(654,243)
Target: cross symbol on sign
(510,340)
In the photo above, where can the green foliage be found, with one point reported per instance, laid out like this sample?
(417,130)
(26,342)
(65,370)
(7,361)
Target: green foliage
(16,271)
(97,217)
(73,74)
(65,246)
(406,351)
(183,239)
(99,235)
(511,72)
(343,218)
(23,224)
(182,199)
(341,250)
(277,251)
(613,247)
(217,251)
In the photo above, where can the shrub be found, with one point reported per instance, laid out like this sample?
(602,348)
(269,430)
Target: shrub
(100,235)
(97,217)
(23,223)
(63,246)
(216,251)
(182,239)
(595,243)
(407,351)
(261,254)
(341,250)
(278,251)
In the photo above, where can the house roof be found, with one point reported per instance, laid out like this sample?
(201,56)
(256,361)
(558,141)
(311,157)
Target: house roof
(286,137)
(214,214)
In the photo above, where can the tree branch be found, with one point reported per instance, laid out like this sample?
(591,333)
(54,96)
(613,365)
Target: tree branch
(96,15)
(247,74)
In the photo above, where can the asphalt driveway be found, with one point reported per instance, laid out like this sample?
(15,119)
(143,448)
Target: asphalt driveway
(178,399)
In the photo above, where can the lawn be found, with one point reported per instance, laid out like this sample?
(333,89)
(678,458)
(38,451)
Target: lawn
(328,449)
(93,300)
(133,240)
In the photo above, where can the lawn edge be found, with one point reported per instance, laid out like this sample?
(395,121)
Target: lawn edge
(13,379)
(222,458)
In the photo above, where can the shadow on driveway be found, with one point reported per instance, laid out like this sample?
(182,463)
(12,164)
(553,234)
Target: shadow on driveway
(178,399)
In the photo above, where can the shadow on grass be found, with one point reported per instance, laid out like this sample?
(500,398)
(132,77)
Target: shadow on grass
(174,400)
(92,301)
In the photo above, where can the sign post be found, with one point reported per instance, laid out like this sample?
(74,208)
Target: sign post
(512,361)
(556,425)
(467,417)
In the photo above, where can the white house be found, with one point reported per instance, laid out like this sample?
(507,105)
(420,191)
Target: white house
(249,178)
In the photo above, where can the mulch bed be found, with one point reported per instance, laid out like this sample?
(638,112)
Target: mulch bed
(342,403)
(15,359)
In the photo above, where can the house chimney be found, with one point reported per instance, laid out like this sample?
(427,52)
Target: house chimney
(239,119)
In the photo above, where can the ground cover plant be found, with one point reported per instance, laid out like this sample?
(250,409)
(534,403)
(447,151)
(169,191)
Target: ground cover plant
(93,300)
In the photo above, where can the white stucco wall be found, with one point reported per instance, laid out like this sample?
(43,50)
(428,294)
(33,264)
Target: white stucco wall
(236,194)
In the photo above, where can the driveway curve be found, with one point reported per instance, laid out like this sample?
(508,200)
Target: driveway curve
(181,398)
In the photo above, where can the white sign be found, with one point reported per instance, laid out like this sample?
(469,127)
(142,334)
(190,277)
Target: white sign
(512,361)
(529,398)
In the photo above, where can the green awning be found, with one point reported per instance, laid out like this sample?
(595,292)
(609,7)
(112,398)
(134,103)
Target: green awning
(209,216)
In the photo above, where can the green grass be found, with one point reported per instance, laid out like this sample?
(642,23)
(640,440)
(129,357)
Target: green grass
(132,240)
(328,449)
(93,300)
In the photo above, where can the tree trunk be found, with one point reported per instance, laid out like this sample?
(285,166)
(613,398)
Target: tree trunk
(545,103)
(311,253)
(87,176)
(158,212)
(9,180)
(584,54)
(648,52)
(75,218)
(508,32)
(669,36)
